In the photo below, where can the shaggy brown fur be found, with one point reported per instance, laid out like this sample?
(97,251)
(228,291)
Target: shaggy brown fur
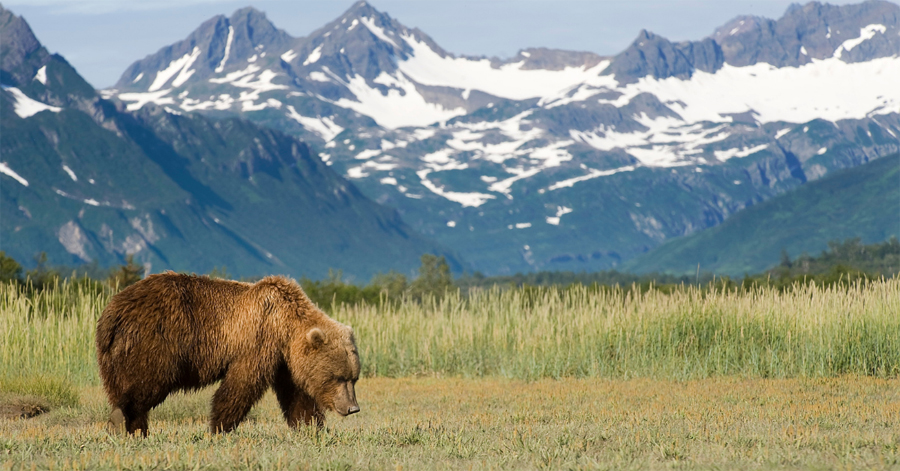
(174,332)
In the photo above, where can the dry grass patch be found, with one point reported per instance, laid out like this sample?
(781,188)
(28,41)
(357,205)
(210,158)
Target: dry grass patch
(725,423)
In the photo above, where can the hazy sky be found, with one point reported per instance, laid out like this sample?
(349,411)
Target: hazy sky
(102,37)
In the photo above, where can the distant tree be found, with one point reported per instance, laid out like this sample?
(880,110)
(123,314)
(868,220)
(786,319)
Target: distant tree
(127,274)
(42,275)
(391,284)
(434,277)
(785,259)
(40,261)
(10,270)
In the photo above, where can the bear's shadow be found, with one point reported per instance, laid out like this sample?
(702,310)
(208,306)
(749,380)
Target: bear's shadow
(193,406)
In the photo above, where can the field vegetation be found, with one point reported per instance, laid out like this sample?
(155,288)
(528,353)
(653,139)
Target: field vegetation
(720,376)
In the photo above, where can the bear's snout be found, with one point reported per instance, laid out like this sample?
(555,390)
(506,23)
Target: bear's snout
(345,400)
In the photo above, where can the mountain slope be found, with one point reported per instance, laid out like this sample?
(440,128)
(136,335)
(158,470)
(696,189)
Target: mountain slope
(86,181)
(557,159)
(859,202)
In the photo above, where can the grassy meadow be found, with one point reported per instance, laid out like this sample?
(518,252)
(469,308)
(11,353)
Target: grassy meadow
(578,378)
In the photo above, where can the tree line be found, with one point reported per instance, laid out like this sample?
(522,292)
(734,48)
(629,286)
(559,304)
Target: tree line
(843,262)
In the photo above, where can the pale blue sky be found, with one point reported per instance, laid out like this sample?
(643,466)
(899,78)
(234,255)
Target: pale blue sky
(102,37)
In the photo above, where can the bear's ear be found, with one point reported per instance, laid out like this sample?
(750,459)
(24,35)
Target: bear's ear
(316,337)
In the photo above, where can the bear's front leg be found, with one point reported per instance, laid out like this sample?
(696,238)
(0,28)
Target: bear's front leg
(240,390)
(299,408)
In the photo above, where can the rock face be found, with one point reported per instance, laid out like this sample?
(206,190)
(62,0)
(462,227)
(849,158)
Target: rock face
(851,33)
(555,159)
(654,56)
(18,43)
(87,181)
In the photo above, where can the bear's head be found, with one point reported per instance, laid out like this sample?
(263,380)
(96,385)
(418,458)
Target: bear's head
(328,367)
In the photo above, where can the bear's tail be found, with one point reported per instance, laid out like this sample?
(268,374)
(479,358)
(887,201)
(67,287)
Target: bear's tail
(107,326)
(106,330)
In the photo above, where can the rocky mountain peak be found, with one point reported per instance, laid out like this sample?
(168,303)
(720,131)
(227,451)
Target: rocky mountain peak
(219,44)
(739,25)
(38,75)
(253,33)
(656,56)
(360,9)
(362,42)
(18,43)
(852,33)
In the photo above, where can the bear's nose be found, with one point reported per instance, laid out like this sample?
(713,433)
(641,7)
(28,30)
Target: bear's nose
(353,410)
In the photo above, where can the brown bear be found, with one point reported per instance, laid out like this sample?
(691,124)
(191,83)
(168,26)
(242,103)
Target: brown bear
(173,332)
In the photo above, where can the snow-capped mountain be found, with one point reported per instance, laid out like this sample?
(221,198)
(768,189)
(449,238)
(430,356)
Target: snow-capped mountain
(555,159)
(86,181)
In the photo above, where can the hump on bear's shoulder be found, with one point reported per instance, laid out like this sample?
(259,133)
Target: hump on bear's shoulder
(283,292)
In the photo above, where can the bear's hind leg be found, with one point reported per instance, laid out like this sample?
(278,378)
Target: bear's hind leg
(138,423)
(239,391)
(298,407)
(134,419)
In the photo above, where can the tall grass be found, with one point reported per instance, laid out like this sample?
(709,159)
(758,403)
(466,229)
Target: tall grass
(686,333)
(50,332)
(577,332)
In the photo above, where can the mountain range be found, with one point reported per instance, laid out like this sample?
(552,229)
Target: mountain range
(548,160)
(554,159)
(86,180)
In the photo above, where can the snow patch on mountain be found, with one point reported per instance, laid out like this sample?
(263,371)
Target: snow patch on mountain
(236,75)
(827,89)
(228,40)
(667,142)
(139,99)
(25,106)
(324,127)
(70,173)
(724,155)
(180,66)
(560,212)
(377,31)
(427,67)
(467,139)
(518,173)
(289,56)
(318,77)
(402,106)
(592,173)
(4,169)
(472,199)
(865,34)
(41,75)
(314,56)
(256,84)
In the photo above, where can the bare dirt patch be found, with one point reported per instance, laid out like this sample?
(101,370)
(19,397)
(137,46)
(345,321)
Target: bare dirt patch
(22,407)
